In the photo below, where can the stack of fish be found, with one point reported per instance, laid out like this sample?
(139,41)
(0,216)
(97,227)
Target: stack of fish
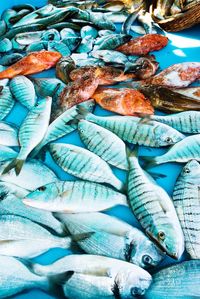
(38,211)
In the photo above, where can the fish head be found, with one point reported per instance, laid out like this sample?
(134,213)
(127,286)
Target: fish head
(131,283)
(167,136)
(85,129)
(191,171)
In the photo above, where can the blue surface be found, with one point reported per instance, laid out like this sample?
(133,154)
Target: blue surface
(183,46)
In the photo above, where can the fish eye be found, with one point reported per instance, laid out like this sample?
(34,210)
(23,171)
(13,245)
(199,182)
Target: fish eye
(42,188)
(161,235)
(147,260)
(186,170)
(136,291)
(168,139)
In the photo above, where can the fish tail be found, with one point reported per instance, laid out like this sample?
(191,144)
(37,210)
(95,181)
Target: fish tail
(149,162)
(17,164)
(56,281)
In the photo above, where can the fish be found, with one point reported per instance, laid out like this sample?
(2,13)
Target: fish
(48,86)
(31,132)
(30,176)
(185,122)
(176,281)
(193,92)
(61,127)
(23,90)
(103,143)
(5,45)
(181,152)
(135,130)
(88,31)
(8,134)
(83,164)
(11,204)
(147,67)
(98,276)
(32,63)
(85,45)
(144,44)
(51,35)
(63,68)
(186,201)
(177,75)
(9,59)
(113,41)
(154,209)
(123,101)
(112,238)
(7,102)
(59,46)
(74,197)
(6,153)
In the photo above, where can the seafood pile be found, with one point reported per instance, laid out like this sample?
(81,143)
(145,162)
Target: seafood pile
(93,64)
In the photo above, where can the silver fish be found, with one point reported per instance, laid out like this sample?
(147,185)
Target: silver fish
(113,238)
(6,102)
(6,153)
(8,134)
(83,164)
(74,197)
(186,198)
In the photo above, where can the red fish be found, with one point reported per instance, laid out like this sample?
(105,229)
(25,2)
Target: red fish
(34,62)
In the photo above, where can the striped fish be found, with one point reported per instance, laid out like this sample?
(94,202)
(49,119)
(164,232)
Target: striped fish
(186,199)
(154,209)
(74,197)
(84,164)
(186,122)
(7,102)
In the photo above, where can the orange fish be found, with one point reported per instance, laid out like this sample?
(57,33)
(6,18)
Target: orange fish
(34,62)
(124,101)
(144,44)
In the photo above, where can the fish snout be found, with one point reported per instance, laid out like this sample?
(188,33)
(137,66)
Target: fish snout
(135,291)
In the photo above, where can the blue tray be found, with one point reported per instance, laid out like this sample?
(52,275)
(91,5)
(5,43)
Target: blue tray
(183,46)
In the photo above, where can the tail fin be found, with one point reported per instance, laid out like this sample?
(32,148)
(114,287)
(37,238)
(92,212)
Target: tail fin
(149,162)
(55,283)
(17,164)
(132,153)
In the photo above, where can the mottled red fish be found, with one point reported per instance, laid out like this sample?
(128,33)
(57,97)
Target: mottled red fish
(144,44)
(34,62)
(124,101)
(149,66)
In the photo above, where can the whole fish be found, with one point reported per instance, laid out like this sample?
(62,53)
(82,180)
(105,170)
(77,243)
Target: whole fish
(113,238)
(154,209)
(177,75)
(74,197)
(7,102)
(32,63)
(176,281)
(7,153)
(134,130)
(186,122)
(31,132)
(186,198)
(98,276)
(144,44)
(30,176)
(8,134)
(15,277)
(123,101)
(83,164)
(11,204)
(103,143)
(182,152)
(24,238)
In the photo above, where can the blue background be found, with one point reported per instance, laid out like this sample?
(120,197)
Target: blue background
(183,46)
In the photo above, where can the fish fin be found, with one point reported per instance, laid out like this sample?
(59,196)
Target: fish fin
(82,236)
(56,89)
(149,161)
(82,112)
(56,282)
(71,122)
(17,164)
(132,153)
(157,176)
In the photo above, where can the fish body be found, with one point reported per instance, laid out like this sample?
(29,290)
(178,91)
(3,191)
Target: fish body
(133,130)
(83,164)
(7,153)
(7,102)
(125,279)
(104,143)
(176,281)
(113,41)
(113,238)
(154,209)
(74,197)
(48,87)
(186,198)
(32,63)
(8,134)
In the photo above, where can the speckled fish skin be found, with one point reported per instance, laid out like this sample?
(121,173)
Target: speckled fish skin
(60,127)
(13,282)
(186,122)
(83,164)
(8,134)
(125,279)
(186,198)
(21,237)
(32,132)
(133,130)
(103,143)
(6,102)
(181,152)
(176,281)
(23,90)
(74,197)
(113,238)
(11,204)
(30,176)
(154,209)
